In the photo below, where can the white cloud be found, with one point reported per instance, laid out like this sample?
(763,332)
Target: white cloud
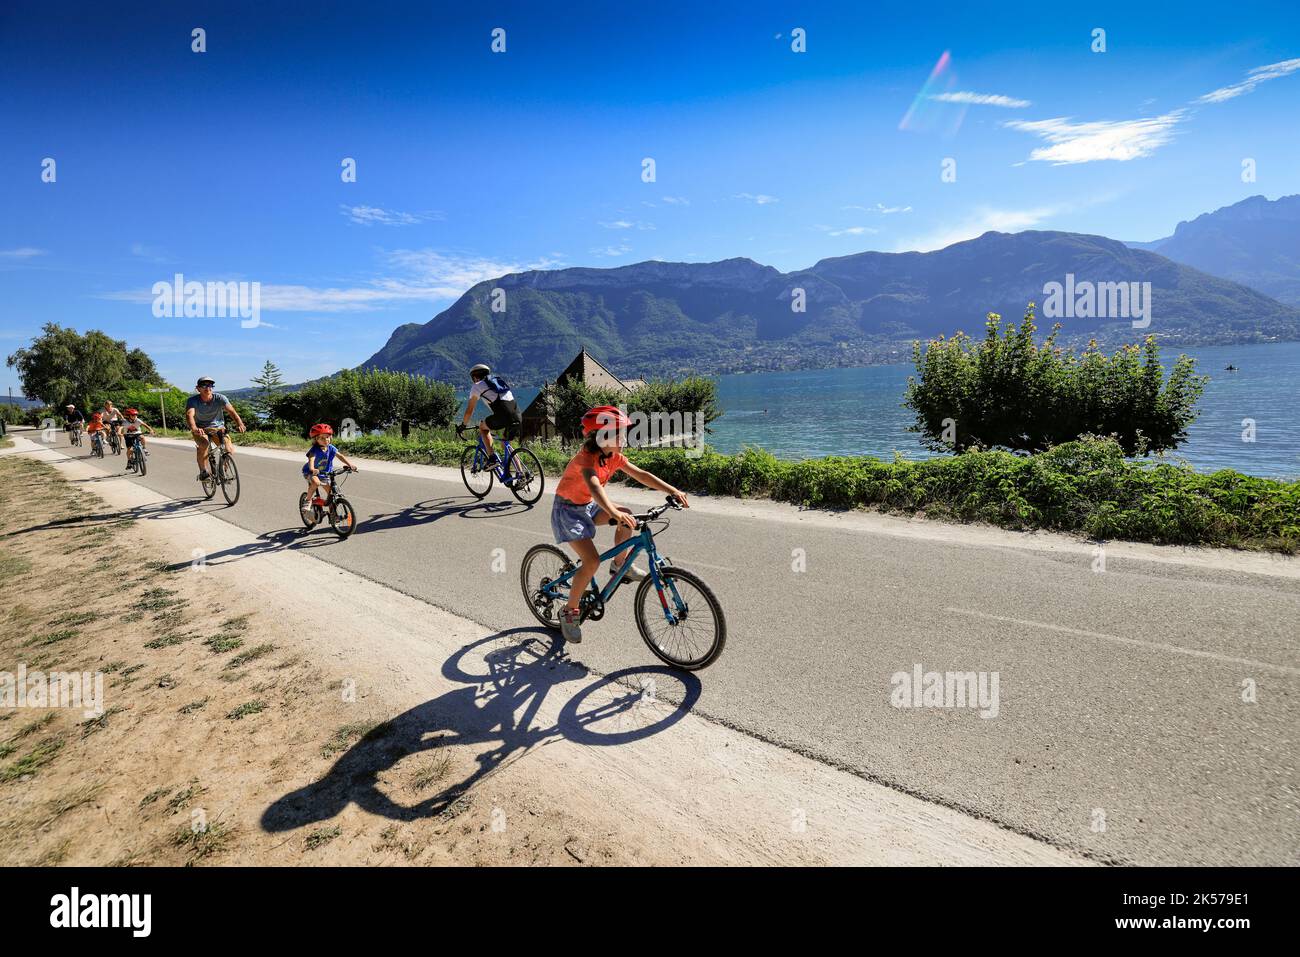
(982,99)
(848,230)
(1120,140)
(677,201)
(760,199)
(983,219)
(612,251)
(154,254)
(419,275)
(627,224)
(22,252)
(1253,79)
(375,216)
(881,208)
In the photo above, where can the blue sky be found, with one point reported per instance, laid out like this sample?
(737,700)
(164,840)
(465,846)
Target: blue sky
(225,165)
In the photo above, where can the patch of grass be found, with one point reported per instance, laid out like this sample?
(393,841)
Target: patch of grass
(156,599)
(153,796)
(344,737)
(13,566)
(166,641)
(238,623)
(70,801)
(6,750)
(193,706)
(41,755)
(113,666)
(132,616)
(245,709)
(320,837)
(54,637)
(99,722)
(76,618)
(223,642)
(40,724)
(183,797)
(252,654)
(434,771)
(203,842)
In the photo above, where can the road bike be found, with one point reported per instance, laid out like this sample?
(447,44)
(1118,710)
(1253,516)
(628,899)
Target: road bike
(221,468)
(343,518)
(97,444)
(518,469)
(136,456)
(683,623)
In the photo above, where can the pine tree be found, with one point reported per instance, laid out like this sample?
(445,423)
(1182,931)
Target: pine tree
(268,383)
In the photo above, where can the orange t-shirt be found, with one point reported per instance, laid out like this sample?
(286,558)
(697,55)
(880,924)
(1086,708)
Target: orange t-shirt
(93,426)
(574,487)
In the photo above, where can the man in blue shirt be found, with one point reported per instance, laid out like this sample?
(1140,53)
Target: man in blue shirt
(207,410)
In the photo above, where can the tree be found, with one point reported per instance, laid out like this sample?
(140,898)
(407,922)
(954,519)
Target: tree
(268,383)
(1008,392)
(61,366)
(139,367)
(373,399)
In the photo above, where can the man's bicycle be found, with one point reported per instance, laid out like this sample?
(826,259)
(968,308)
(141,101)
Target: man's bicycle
(343,519)
(221,468)
(676,613)
(518,469)
(74,435)
(135,456)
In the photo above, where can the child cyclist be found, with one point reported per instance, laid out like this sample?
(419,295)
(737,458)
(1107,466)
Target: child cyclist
(131,434)
(320,458)
(581,504)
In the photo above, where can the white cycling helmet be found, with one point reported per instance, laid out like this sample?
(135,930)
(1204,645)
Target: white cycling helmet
(479,371)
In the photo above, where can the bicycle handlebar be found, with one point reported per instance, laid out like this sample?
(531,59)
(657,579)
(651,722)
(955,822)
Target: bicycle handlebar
(654,513)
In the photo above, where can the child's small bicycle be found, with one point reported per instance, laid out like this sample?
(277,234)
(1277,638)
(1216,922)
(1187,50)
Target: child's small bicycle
(97,444)
(342,518)
(684,628)
(518,469)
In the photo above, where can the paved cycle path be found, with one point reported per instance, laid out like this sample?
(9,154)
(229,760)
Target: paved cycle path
(1118,728)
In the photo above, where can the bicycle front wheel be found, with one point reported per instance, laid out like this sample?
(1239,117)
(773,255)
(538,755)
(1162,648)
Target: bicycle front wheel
(229,479)
(526,480)
(140,466)
(342,519)
(475,473)
(682,621)
(543,564)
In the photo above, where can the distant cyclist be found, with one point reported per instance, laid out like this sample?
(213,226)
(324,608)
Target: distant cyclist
(320,460)
(133,429)
(495,392)
(73,420)
(112,418)
(207,410)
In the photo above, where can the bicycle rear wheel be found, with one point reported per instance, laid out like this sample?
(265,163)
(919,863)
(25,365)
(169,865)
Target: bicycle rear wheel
(342,519)
(543,564)
(475,473)
(310,518)
(229,479)
(694,636)
(526,478)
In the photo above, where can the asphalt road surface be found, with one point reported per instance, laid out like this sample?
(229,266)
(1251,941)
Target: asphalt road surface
(1121,728)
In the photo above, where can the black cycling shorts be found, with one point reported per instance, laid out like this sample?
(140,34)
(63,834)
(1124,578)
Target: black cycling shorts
(505,415)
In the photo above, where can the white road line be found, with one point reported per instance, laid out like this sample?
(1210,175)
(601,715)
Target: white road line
(1152,645)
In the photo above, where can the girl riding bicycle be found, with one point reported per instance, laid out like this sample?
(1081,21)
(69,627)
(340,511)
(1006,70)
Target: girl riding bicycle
(320,458)
(581,504)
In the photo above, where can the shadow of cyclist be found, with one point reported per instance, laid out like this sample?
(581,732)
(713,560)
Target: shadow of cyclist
(507,677)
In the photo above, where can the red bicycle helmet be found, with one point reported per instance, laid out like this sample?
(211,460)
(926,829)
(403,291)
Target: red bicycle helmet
(321,429)
(131,412)
(604,417)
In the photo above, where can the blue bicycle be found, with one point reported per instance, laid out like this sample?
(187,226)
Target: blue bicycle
(518,469)
(683,624)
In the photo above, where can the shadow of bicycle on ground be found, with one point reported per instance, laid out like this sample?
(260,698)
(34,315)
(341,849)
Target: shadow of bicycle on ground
(507,678)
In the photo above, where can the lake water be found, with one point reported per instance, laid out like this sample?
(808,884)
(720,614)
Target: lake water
(858,411)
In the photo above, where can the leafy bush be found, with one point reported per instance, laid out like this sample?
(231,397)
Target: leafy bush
(374,399)
(1008,392)
(693,395)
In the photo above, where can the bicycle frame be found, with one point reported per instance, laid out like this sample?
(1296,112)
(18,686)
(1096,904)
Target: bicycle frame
(503,461)
(634,546)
